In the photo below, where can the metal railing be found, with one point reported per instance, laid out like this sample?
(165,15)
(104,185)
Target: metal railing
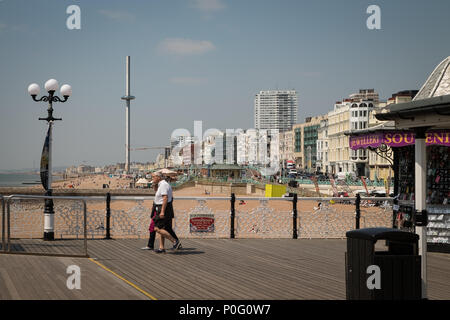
(132,222)
(3,223)
(6,243)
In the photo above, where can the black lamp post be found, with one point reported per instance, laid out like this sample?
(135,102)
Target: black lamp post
(46,160)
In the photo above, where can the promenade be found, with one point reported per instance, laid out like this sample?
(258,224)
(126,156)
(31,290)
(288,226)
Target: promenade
(205,269)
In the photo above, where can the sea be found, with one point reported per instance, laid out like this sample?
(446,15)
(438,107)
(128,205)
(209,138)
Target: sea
(19,179)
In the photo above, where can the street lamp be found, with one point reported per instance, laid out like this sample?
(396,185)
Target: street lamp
(46,159)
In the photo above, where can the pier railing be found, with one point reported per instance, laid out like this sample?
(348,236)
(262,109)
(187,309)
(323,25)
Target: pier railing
(79,218)
(20,228)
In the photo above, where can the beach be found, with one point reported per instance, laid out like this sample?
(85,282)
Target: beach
(130,219)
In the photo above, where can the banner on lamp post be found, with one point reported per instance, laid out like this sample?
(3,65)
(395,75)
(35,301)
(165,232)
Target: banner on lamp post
(45,161)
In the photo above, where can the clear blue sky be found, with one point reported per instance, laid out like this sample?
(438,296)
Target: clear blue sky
(196,60)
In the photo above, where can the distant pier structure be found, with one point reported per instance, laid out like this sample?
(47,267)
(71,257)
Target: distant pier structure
(127,97)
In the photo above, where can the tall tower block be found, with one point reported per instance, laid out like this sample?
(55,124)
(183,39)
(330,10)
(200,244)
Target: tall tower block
(127,97)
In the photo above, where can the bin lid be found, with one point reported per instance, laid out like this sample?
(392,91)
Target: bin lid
(374,234)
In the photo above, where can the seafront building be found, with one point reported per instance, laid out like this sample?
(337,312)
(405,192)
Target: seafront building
(348,116)
(286,146)
(359,120)
(320,144)
(322,162)
(338,147)
(305,136)
(365,94)
(276,109)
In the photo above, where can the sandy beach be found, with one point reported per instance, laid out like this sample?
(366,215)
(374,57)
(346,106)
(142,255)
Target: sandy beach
(93,182)
(130,219)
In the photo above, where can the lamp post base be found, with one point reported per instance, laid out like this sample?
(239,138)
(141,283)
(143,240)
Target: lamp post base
(49,236)
(49,218)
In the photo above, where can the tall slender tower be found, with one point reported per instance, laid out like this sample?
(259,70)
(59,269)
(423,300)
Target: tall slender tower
(127,97)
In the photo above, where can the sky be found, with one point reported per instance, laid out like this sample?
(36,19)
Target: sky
(196,60)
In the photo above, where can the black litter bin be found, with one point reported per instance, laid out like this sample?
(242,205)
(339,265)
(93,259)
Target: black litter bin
(399,266)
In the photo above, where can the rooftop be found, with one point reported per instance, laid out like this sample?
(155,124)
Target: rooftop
(438,83)
(432,99)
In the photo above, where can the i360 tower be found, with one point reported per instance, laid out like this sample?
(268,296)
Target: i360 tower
(127,97)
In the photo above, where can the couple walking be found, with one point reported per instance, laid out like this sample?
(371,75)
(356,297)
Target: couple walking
(162,215)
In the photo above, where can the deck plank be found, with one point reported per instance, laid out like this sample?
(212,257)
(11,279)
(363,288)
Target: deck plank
(205,269)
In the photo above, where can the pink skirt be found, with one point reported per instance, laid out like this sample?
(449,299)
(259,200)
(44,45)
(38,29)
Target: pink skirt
(152,226)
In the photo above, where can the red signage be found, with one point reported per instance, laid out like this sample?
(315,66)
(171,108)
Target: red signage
(201,223)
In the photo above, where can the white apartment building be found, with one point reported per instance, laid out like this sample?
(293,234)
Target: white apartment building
(350,115)
(208,149)
(242,148)
(276,109)
(359,120)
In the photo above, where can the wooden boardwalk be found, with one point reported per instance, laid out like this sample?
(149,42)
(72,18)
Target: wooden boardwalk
(24,277)
(205,269)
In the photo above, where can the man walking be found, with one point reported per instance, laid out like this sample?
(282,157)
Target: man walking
(164,213)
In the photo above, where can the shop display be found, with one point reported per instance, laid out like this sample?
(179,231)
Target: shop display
(438,229)
(406,173)
(404,215)
(438,175)
(438,194)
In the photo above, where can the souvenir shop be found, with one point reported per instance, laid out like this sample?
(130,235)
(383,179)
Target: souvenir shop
(420,144)
(399,147)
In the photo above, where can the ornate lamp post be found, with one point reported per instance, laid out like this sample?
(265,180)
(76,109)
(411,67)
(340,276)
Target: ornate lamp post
(46,160)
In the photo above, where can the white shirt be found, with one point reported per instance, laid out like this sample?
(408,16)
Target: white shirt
(164,189)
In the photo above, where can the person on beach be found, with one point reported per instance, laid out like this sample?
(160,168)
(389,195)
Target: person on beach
(163,214)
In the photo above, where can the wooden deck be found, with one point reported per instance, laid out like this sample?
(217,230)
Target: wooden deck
(25,277)
(205,269)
